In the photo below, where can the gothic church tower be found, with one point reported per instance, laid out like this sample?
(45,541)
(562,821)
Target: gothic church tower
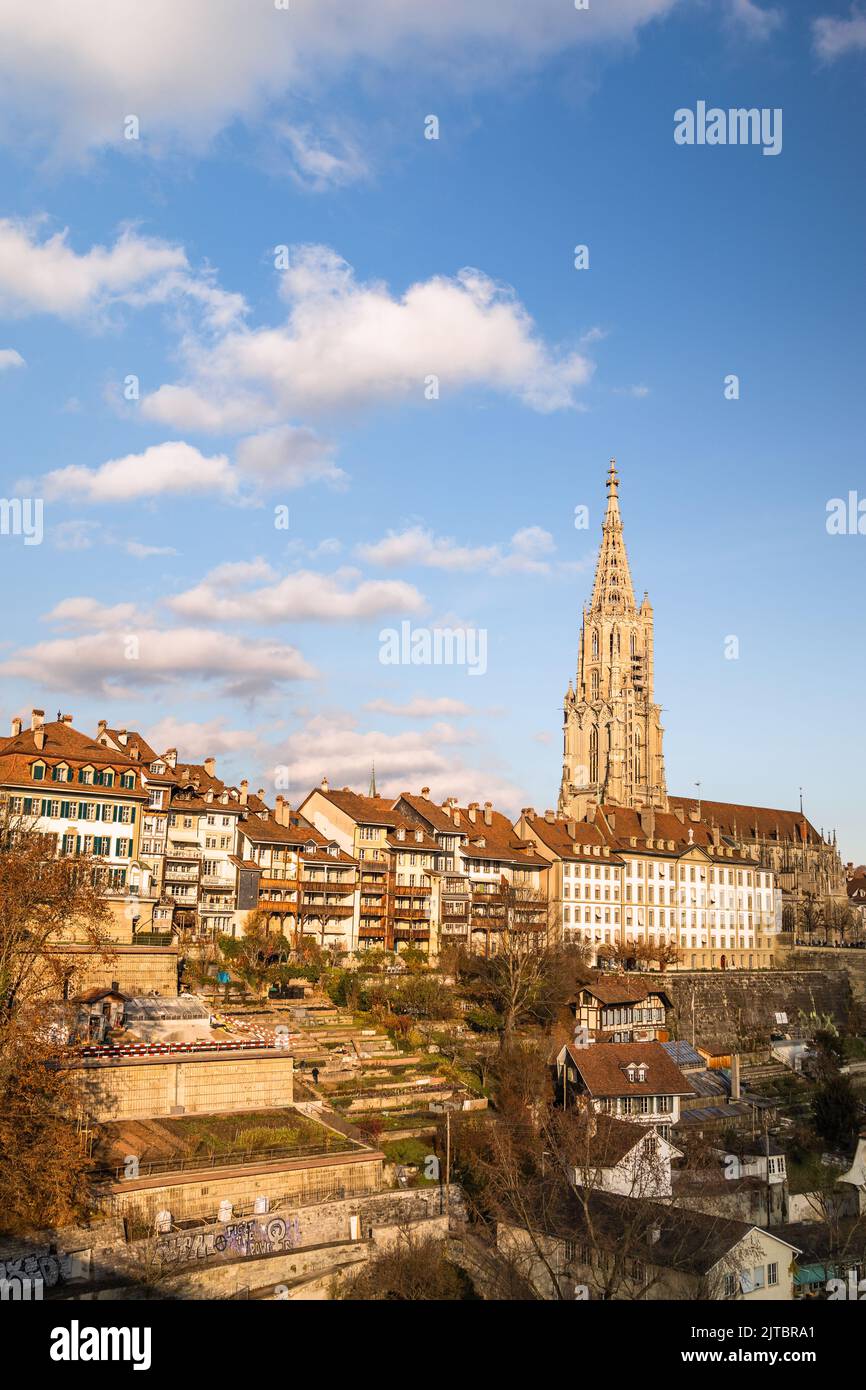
(612,747)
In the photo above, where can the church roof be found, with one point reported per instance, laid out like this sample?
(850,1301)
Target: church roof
(739,821)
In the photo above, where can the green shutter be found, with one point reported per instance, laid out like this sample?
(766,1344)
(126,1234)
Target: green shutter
(132,816)
(64,810)
(28,805)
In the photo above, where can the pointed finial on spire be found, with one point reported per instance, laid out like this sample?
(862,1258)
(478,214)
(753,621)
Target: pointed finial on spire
(801,801)
(612,478)
(372,791)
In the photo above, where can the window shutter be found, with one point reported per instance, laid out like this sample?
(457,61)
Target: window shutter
(45,806)
(132,816)
(78,844)
(28,805)
(64,810)
(116,813)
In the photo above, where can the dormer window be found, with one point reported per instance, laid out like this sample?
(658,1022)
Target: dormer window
(157,767)
(401,833)
(85,776)
(310,848)
(61,773)
(641,1073)
(37,772)
(419,836)
(128,780)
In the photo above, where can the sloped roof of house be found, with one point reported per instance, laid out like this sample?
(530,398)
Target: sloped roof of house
(601,1067)
(673,1238)
(619,989)
(62,744)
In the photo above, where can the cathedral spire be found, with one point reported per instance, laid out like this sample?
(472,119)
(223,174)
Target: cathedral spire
(612,591)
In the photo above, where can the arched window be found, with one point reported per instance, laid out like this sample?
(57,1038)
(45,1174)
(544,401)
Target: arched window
(593,755)
(633,645)
(595,685)
(595,644)
(638,758)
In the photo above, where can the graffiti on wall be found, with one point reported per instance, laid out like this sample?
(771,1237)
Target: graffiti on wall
(270,1236)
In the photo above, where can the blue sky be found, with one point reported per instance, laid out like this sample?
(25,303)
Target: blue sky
(304,387)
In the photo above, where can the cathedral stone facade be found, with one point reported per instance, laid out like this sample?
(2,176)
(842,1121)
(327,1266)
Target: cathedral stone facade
(612,747)
(612,740)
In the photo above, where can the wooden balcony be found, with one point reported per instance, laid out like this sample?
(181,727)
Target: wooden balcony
(411,933)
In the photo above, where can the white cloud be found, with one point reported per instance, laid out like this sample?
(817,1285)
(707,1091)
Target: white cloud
(422,707)
(10,358)
(196,740)
(226,595)
(349,344)
(45,275)
(173,468)
(758,23)
(315,162)
(102,661)
(89,612)
(288,456)
(143,552)
(524,553)
(74,535)
(835,37)
(70,74)
(331,744)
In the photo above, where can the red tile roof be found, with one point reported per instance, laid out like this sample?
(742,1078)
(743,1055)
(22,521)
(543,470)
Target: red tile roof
(600,1067)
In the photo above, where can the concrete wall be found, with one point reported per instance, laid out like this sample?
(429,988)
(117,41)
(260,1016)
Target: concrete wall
(852,961)
(733,1007)
(142,1088)
(137,969)
(197,1196)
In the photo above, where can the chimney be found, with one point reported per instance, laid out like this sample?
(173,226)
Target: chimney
(473,811)
(694,813)
(171,757)
(245,791)
(67,719)
(456,814)
(528,811)
(16,726)
(261,793)
(611,820)
(39,738)
(36,719)
(101,727)
(488,813)
(134,750)
(278,810)
(550,816)
(425,791)
(324,784)
(571,828)
(680,814)
(648,821)
(122,737)
(210,766)
(735,1076)
(184,776)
